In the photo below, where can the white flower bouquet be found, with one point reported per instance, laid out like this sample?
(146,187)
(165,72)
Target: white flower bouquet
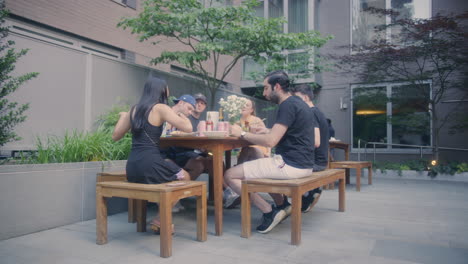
(232,106)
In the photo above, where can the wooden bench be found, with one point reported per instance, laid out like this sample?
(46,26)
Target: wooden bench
(120,176)
(358,165)
(163,194)
(294,189)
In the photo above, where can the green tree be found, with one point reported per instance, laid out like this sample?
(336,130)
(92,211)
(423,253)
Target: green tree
(418,50)
(220,35)
(11,113)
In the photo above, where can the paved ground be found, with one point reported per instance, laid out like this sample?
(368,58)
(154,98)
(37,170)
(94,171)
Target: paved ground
(392,221)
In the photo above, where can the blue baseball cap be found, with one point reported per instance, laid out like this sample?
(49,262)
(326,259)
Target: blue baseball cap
(186,98)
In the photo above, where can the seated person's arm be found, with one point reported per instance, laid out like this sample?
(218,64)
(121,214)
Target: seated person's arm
(317,137)
(177,120)
(267,138)
(122,126)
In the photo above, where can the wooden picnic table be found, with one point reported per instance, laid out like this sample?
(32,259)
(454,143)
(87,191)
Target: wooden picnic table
(217,146)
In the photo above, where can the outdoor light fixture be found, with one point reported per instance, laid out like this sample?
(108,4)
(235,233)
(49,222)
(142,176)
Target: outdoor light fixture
(370,112)
(343,105)
(433,162)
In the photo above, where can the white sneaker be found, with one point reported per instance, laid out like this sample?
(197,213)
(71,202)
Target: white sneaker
(178,207)
(231,199)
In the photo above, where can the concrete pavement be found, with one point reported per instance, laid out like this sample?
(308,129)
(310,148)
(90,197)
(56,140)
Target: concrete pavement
(392,221)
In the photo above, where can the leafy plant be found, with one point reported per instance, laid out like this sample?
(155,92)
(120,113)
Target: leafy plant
(422,165)
(11,113)
(77,146)
(221,35)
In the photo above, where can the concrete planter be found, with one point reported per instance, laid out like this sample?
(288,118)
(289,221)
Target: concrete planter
(36,197)
(420,175)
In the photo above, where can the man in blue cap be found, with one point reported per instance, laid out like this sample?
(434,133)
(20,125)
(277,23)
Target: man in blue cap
(194,162)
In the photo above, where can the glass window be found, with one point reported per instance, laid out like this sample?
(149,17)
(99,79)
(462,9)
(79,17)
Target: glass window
(275,8)
(250,66)
(410,115)
(260,9)
(298,16)
(298,21)
(370,115)
(393,113)
(364,23)
(298,62)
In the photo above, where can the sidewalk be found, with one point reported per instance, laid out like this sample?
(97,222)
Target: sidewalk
(392,221)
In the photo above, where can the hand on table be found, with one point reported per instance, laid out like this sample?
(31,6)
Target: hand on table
(236,130)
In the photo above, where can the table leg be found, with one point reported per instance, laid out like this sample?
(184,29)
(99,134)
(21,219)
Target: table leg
(218,188)
(358,179)
(227,154)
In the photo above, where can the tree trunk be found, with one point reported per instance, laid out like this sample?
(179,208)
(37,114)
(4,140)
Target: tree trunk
(435,133)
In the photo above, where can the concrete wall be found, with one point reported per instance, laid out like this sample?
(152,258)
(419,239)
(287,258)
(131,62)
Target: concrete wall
(43,196)
(75,87)
(97,21)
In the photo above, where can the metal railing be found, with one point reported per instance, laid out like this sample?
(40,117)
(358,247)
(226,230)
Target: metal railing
(401,145)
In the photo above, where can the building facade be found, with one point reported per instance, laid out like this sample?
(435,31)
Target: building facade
(340,92)
(87,64)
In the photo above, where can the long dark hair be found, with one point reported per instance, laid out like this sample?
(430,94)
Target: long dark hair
(155,92)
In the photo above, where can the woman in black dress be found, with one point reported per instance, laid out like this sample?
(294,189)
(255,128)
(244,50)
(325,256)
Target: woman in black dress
(146,121)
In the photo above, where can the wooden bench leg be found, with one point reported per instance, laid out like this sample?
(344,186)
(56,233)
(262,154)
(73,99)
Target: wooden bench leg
(201,215)
(296,203)
(245,212)
(141,215)
(341,195)
(369,175)
(165,214)
(358,179)
(132,213)
(101,218)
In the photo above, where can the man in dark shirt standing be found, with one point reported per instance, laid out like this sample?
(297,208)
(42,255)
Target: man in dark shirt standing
(291,134)
(305,92)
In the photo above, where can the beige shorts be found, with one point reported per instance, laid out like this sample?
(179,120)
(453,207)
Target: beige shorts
(273,168)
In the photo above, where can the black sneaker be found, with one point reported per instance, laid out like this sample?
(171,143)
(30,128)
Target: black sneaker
(309,202)
(286,206)
(270,220)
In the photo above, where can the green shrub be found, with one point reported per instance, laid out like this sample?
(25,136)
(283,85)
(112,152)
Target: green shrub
(462,167)
(422,165)
(77,146)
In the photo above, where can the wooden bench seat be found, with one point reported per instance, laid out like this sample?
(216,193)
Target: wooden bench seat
(358,165)
(294,189)
(119,176)
(162,194)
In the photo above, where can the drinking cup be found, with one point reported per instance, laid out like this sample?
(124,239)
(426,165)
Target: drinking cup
(221,126)
(201,127)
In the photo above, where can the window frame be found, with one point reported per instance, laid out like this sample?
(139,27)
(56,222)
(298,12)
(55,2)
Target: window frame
(388,149)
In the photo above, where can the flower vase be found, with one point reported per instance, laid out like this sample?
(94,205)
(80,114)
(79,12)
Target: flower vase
(234,120)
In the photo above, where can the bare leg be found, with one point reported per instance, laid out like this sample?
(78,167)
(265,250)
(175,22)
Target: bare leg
(234,177)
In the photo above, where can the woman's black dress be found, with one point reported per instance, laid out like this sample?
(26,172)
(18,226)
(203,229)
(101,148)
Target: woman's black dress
(145,164)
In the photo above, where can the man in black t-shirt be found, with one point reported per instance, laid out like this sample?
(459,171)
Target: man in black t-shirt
(305,92)
(293,136)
